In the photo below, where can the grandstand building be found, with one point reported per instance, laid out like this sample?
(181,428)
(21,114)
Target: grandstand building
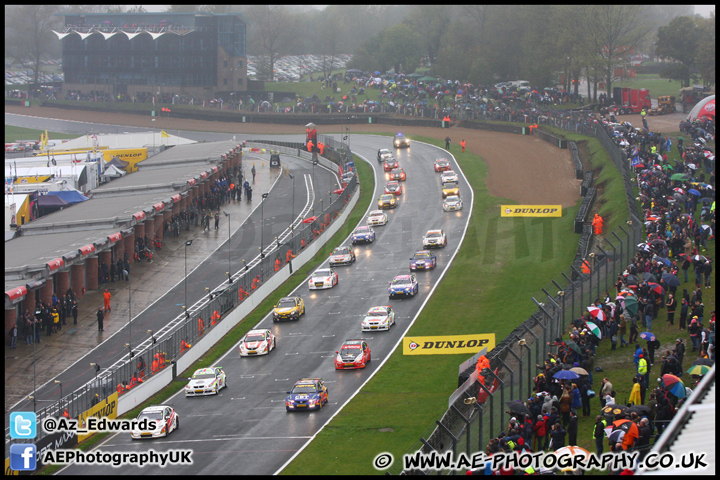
(141,55)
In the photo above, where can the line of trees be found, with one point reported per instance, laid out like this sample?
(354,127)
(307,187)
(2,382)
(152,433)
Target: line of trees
(478,43)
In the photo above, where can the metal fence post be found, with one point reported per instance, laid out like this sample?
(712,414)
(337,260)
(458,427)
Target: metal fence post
(519,359)
(572,297)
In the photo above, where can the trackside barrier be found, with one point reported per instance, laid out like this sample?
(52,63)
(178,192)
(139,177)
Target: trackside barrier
(587,183)
(477,413)
(572,146)
(584,210)
(155,360)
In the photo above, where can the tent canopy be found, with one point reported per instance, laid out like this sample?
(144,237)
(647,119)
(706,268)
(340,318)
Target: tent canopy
(704,108)
(68,196)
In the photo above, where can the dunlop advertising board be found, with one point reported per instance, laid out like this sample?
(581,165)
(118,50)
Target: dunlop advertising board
(131,155)
(106,408)
(448,344)
(531,210)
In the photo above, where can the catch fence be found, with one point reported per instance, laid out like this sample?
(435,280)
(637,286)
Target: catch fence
(477,411)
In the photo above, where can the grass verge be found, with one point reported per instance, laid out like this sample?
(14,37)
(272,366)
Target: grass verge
(488,286)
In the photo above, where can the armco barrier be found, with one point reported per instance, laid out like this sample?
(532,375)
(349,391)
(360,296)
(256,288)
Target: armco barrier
(584,210)
(587,183)
(552,139)
(572,146)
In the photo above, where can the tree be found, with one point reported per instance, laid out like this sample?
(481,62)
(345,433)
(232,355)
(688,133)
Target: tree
(28,34)
(705,56)
(679,41)
(272,33)
(400,46)
(432,21)
(613,32)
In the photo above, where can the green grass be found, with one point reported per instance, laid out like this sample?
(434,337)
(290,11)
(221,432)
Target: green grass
(657,86)
(505,258)
(13,134)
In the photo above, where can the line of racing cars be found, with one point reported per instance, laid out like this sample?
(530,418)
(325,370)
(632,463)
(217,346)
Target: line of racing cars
(312,393)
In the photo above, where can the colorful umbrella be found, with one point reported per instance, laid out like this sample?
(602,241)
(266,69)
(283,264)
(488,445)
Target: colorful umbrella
(579,371)
(566,375)
(310,219)
(679,190)
(661,260)
(657,288)
(692,191)
(698,370)
(673,385)
(700,258)
(616,436)
(597,313)
(594,329)
(679,176)
(571,451)
(649,336)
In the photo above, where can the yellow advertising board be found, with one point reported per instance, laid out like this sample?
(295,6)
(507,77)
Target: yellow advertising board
(107,408)
(130,155)
(34,179)
(531,210)
(448,344)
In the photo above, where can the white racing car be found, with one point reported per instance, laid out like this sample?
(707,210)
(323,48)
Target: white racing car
(165,418)
(378,318)
(323,278)
(434,239)
(377,217)
(449,176)
(205,381)
(342,256)
(452,203)
(257,342)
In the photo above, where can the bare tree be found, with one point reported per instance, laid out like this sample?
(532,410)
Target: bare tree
(613,32)
(271,26)
(28,34)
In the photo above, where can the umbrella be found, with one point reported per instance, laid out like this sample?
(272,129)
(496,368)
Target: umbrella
(649,336)
(631,305)
(649,277)
(673,385)
(679,176)
(597,312)
(692,166)
(574,346)
(706,200)
(631,279)
(698,370)
(679,190)
(703,361)
(670,279)
(679,197)
(571,451)
(627,426)
(518,408)
(692,191)
(617,409)
(594,329)
(708,228)
(310,219)
(663,260)
(566,375)
(639,409)
(643,246)
(616,436)
(700,258)
(657,288)
(579,371)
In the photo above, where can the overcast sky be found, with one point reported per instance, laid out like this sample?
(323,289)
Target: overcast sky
(703,10)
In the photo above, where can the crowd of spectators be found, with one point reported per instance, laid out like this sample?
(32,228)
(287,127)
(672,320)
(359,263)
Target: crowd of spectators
(50,317)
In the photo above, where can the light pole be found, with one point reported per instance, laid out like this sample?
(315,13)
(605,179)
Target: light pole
(227,215)
(315,162)
(262,224)
(129,344)
(187,244)
(58,382)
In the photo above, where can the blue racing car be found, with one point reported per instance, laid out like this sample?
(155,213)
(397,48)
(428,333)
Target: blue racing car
(363,235)
(423,260)
(307,394)
(403,286)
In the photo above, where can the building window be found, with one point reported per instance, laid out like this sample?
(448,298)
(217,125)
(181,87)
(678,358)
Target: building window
(240,81)
(240,64)
(225,64)
(224,81)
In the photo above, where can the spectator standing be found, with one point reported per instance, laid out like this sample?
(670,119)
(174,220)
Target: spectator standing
(671,305)
(557,436)
(13,336)
(707,271)
(622,330)
(572,429)
(100,317)
(605,390)
(635,398)
(599,433)
(74,312)
(447,143)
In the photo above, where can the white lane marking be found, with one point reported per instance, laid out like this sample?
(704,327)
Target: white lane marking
(328,336)
(219,438)
(208,414)
(239,398)
(282,379)
(292,353)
